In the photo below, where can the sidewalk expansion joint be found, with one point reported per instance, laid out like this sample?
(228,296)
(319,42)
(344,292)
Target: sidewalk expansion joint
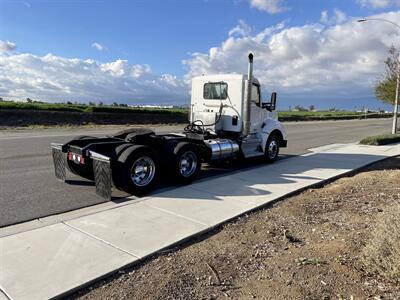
(175,214)
(100,240)
(3,292)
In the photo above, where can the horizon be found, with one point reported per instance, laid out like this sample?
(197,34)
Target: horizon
(187,106)
(311,53)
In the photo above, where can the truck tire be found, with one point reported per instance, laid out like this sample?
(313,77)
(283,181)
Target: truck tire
(137,170)
(184,160)
(114,155)
(86,170)
(272,148)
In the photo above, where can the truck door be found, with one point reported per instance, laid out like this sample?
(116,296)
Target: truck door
(257,113)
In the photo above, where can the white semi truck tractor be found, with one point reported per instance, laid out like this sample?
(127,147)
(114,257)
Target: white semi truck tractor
(228,119)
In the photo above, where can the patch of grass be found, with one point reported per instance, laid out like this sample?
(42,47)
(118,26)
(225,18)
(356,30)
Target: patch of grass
(383,139)
(283,115)
(43,106)
(112,109)
(327,115)
(320,113)
(382,252)
(88,108)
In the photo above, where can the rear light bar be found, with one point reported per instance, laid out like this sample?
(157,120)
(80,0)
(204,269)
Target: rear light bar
(76,157)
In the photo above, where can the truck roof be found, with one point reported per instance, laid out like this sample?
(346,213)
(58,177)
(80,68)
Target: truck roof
(223,77)
(219,77)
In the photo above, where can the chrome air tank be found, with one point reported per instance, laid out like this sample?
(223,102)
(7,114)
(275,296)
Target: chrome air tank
(222,148)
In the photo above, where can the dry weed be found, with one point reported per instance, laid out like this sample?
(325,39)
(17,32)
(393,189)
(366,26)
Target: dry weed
(382,252)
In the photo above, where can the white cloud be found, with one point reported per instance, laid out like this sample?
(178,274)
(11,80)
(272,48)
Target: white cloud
(139,70)
(7,46)
(379,3)
(324,16)
(316,61)
(337,17)
(241,29)
(171,80)
(336,59)
(117,68)
(270,6)
(55,78)
(99,46)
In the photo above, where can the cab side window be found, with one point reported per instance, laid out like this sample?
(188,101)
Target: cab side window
(255,94)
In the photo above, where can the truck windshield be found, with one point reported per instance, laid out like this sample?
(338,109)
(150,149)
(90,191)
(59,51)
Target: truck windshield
(215,90)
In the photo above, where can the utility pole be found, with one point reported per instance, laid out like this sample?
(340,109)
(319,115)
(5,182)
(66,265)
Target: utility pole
(396,101)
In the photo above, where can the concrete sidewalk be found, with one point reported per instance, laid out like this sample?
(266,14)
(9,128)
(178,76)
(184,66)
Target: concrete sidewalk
(51,260)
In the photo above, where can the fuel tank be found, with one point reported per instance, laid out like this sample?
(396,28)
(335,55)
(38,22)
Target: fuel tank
(222,148)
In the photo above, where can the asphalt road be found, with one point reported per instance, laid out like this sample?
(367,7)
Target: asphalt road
(28,188)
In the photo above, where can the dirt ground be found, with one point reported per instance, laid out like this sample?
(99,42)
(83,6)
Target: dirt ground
(10,118)
(308,246)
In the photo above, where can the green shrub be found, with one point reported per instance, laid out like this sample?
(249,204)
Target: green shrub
(383,139)
(43,106)
(326,115)
(92,108)
(89,108)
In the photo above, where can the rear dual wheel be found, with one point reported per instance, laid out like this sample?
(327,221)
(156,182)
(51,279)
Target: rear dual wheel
(137,170)
(184,161)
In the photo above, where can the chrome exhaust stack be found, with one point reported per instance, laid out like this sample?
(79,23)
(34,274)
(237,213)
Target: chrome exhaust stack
(247,102)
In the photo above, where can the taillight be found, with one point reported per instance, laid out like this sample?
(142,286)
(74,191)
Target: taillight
(76,158)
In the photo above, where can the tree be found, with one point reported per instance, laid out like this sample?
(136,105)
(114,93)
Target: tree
(115,104)
(311,108)
(300,108)
(385,89)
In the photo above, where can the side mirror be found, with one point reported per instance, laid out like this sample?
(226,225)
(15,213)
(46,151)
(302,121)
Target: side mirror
(270,106)
(273,100)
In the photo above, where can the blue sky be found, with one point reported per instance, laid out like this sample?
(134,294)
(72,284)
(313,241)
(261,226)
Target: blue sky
(160,33)
(153,38)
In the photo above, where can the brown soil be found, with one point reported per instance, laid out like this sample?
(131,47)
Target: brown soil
(308,246)
(22,118)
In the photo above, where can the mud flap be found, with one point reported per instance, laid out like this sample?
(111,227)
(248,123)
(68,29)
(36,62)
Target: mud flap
(59,161)
(102,174)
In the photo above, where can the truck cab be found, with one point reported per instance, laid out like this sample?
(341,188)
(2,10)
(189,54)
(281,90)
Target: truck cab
(218,103)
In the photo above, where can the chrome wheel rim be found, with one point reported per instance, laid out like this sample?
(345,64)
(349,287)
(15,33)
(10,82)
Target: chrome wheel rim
(188,163)
(272,149)
(143,171)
